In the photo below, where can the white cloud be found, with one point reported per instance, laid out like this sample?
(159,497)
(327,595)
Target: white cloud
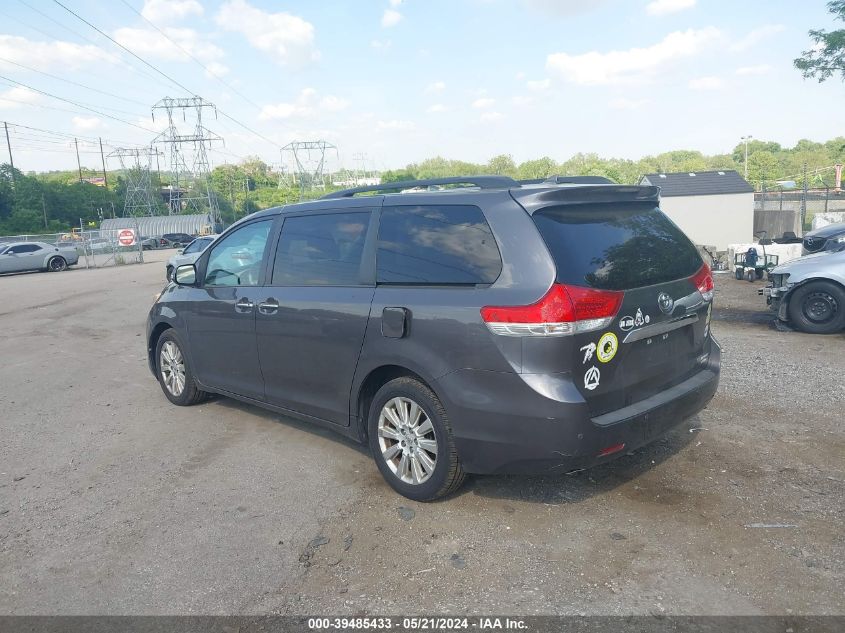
(169,11)
(53,54)
(488,117)
(396,125)
(483,103)
(437,107)
(17,97)
(522,100)
(151,43)
(664,7)
(288,39)
(595,68)
(381,44)
(539,85)
(706,83)
(437,86)
(391,17)
(395,3)
(756,36)
(628,104)
(761,69)
(307,104)
(563,7)
(86,124)
(216,69)
(519,76)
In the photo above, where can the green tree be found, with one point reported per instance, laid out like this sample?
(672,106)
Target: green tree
(827,56)
(502,165)
(539,168)
(762,168)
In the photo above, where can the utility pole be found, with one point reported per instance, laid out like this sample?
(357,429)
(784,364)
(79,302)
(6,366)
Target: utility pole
(44,207)
(745,139)
(103,158)
(9,146)
(804,199)
(78,164)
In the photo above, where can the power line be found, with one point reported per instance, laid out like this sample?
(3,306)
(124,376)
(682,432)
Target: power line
(90,139)
(75,83)
(114,41)
(188,53)
(78,105)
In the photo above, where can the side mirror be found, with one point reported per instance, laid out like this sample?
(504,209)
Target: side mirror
(180,251)
(185,275)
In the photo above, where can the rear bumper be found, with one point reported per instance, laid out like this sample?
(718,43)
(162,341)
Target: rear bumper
(503,425)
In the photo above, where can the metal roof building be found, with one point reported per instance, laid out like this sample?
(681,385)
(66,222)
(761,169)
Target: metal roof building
(151,226)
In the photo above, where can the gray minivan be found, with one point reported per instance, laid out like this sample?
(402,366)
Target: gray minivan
(489,326)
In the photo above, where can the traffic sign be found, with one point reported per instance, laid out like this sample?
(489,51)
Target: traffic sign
(126,237)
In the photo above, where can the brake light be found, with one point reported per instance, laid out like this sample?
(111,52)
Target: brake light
(562,311)
(703,280)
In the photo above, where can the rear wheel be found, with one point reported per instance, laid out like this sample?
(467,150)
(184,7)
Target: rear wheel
(411,441)
(738,273)
(57,264)
(818,308)
(174,373)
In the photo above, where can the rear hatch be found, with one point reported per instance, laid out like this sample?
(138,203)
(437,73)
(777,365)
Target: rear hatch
(659,335)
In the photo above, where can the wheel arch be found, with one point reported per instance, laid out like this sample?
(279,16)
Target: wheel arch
(159,329)
(809,280)
(375,380)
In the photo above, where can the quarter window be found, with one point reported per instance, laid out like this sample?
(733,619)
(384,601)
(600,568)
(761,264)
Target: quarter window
(444,244)
(236,259)
(321,250)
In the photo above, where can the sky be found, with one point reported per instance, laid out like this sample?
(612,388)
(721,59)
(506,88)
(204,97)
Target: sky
(390,82)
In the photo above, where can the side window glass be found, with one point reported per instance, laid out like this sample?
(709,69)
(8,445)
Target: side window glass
(236,259)
(193,247)
(321,250)
(444,244)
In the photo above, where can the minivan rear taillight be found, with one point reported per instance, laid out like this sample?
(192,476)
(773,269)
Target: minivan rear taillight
(703,280)
(564,310)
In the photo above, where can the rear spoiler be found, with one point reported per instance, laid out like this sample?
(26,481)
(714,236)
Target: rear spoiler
(534,199)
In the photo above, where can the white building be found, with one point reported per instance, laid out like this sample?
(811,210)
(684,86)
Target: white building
(714,208)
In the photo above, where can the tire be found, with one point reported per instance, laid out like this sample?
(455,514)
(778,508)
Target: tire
(426,444)
(750,275)
(57,264)
(738,274)
(169,273)
(818,307)
(170,363)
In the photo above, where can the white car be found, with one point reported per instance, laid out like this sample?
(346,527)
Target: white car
(189,254)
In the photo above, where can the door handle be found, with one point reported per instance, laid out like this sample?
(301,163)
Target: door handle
(271,306)
(244,305)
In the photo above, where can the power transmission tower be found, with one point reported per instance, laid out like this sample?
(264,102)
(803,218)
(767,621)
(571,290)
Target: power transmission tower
(190,187)
(136,163)
(309,161)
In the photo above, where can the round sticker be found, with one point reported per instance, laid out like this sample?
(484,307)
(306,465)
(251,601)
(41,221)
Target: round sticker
(608,344)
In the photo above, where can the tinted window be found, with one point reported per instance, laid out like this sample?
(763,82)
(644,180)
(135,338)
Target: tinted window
(449,244)
(321,250)
(197,246)
(236,259)
(616,247)
(25,248)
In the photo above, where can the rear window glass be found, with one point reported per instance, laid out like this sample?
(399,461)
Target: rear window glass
(616,247)
(442,244)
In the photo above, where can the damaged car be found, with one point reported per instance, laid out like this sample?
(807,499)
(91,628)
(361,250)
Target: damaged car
(808,293)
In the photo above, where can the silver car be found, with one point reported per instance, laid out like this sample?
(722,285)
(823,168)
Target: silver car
(809,292)
(21,256)
(189,254)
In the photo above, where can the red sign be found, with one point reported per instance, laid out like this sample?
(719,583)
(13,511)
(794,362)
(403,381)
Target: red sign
(126,237)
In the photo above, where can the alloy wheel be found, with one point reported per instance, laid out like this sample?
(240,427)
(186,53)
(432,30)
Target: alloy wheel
(172,367)
(407,440)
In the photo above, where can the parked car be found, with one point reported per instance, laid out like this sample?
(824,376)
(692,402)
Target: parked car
(101,245)
(827,238)
(189,254)
(22,256)
(809,292)
(178,240)
(491,327)
(154,243)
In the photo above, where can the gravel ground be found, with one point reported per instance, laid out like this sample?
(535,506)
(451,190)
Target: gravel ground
(112,501)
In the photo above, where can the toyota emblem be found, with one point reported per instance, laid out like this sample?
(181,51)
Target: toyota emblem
(665,303)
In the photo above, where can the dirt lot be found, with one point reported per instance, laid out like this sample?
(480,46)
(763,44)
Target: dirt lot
(113,501)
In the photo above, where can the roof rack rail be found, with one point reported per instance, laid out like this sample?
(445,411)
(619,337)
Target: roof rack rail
(482,182)
(568,180)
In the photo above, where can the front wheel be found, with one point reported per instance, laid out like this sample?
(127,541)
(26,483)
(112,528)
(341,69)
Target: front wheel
(169,273)
(174,373)
(411,441)
(57,264)
(818,307)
